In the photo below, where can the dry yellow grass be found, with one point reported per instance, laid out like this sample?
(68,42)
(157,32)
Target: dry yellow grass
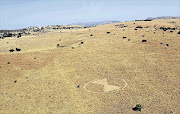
(44,79)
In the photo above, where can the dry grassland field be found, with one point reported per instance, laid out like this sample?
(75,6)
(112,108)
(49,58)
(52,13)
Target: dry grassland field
(92,71)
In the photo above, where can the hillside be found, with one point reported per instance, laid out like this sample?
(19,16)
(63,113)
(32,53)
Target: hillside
(107,69)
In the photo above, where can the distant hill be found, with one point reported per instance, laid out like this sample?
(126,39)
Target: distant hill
(164,17)
(94,23)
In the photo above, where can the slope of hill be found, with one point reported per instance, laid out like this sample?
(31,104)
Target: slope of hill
(107,69)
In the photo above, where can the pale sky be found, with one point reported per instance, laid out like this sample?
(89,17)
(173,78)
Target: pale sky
(15,14)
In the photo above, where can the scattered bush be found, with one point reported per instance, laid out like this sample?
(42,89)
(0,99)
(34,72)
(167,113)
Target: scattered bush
(137,108)
(57,45)
(17,49)
(11,50)
(144,40)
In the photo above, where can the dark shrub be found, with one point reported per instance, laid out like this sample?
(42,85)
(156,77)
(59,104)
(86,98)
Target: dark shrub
(78,86)
(19,35)
(137,108)
(7,35)
(11,50)
(139,27)
(17,49)
(144,40)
